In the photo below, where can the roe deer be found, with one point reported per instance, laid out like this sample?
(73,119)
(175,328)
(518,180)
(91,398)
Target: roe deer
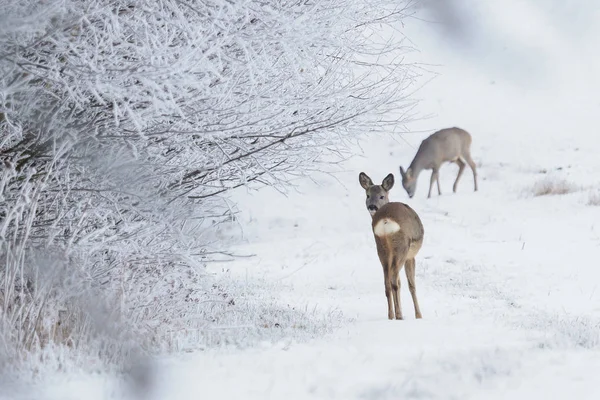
(446,145)
(398,235)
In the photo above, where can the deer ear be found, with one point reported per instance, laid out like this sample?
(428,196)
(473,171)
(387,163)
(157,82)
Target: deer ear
(388,182)
(402,173)
(365,181)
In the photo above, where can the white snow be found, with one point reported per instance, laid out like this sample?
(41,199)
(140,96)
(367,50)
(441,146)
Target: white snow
(507,281)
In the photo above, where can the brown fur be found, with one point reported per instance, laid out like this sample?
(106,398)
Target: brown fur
(396,248)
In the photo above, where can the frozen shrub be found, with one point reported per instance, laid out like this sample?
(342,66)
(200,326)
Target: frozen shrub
(552,186)
(123,125)
(594,199)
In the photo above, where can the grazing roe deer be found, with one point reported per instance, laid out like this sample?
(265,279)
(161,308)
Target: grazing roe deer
(446,145)
(398,235)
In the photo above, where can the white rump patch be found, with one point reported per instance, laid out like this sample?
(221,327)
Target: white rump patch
(386,227)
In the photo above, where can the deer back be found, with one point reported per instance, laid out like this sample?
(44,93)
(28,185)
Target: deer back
(442,146)
(397,227)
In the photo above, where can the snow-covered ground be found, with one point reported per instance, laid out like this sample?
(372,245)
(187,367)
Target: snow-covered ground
(507,281)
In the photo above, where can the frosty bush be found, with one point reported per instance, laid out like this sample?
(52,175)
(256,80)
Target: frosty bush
(124,124)
(594,198)
(552,186)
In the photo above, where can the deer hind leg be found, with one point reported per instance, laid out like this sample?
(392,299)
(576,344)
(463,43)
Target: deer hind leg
(382,252)
(396,291)
(410,276)
(461,167)
(396,265)
(388,292)
(471,163)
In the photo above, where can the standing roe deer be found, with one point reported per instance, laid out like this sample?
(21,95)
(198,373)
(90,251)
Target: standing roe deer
(398,234)
(446,145)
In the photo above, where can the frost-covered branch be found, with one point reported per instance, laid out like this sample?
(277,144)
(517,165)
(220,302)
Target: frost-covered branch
(124,123)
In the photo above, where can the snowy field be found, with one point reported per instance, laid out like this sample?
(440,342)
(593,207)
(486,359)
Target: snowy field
(507,280)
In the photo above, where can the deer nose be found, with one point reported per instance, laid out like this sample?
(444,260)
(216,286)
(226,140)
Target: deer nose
(372,207)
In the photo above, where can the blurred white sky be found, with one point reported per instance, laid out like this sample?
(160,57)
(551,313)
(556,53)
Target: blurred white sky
(522,40)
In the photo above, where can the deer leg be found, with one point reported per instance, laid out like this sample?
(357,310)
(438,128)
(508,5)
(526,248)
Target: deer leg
(388,292)
(461,167)
(395,280)
(431,181)
(410,276)
(396,291)
(386,260)
(471,163)
(435,177)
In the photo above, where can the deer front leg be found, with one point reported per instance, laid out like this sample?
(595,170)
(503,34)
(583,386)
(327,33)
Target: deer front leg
(431,182)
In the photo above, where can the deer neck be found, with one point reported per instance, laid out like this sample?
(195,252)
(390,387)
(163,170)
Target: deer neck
(416,167)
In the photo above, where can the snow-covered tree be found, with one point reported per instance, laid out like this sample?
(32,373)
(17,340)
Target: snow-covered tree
(124,123)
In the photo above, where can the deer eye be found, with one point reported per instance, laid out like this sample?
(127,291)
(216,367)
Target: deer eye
(368,196)
(381,197)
